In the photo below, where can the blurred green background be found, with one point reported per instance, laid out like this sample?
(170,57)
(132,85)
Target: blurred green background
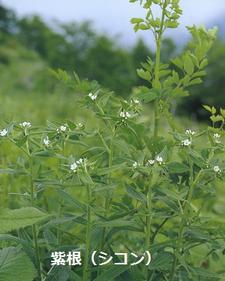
(29,47)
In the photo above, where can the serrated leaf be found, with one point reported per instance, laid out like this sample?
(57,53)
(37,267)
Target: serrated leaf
(19,218)
(188,65)
(144,74)
(148,96)
(71,200)
(112,273)
(136,195)
(15,265)
(136,20)
(208,108)
(177,168)
(195,81)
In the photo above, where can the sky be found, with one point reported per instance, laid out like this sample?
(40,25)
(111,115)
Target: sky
(113,16)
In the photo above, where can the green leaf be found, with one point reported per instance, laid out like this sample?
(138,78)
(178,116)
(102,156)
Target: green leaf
(188,65)
(112,273)
(172,24)
(148,96)
(222,111)
(15,265)
(204,63)
(136,195)
(199,271)
(144,74)
(136,20)
(216,118)
(161,261)
(178,62)
(61,273)
(208,108)
(19,218)
(195,81)
(177,168)
(115,223)
(71,200)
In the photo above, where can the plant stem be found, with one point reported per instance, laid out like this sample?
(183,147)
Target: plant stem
(148,224)
(157,84)
(88,239)
(34,228)
(184,221)
(108,198)
(86,272)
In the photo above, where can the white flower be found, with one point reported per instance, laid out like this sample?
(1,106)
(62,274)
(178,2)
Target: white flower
(136,101)
(125,115)
(135,165)
(62,128)
(25,124)
(3,133)
(217,169)
(150,162)
(92,96)
(46,141)
(73,167)
(80,161)
(190,132)
(217,138)
(186,142)
(80,125)
(159,159)
(76,164)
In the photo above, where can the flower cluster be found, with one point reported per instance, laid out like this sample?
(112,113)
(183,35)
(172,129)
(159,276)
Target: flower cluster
(151,162)
(136,164)
(76,164)
(186,142)
(217,169)
(61,129)
(3,132)
(92,96)
(25,124)
(46,141)
(217,138)
(125,114)
(190,132)
(158,160)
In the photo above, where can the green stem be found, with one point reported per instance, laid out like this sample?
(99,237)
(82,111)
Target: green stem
(148,224)
(34,228)
(107,199)
(157,84)
(86,271)
(184,220)
(88,238)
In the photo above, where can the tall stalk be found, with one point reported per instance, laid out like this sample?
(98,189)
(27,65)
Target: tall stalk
(34,227)
(86,270)
(157,85)
(108,196)
(148,223)
(193,182)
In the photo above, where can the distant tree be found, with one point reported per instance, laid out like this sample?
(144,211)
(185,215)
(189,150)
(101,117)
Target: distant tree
(140,52)
(7,20)
(110,65)
(168,49)
(212,91)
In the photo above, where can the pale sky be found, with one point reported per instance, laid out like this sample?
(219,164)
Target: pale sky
(113,16)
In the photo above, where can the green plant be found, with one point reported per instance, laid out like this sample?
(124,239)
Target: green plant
(129,183)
